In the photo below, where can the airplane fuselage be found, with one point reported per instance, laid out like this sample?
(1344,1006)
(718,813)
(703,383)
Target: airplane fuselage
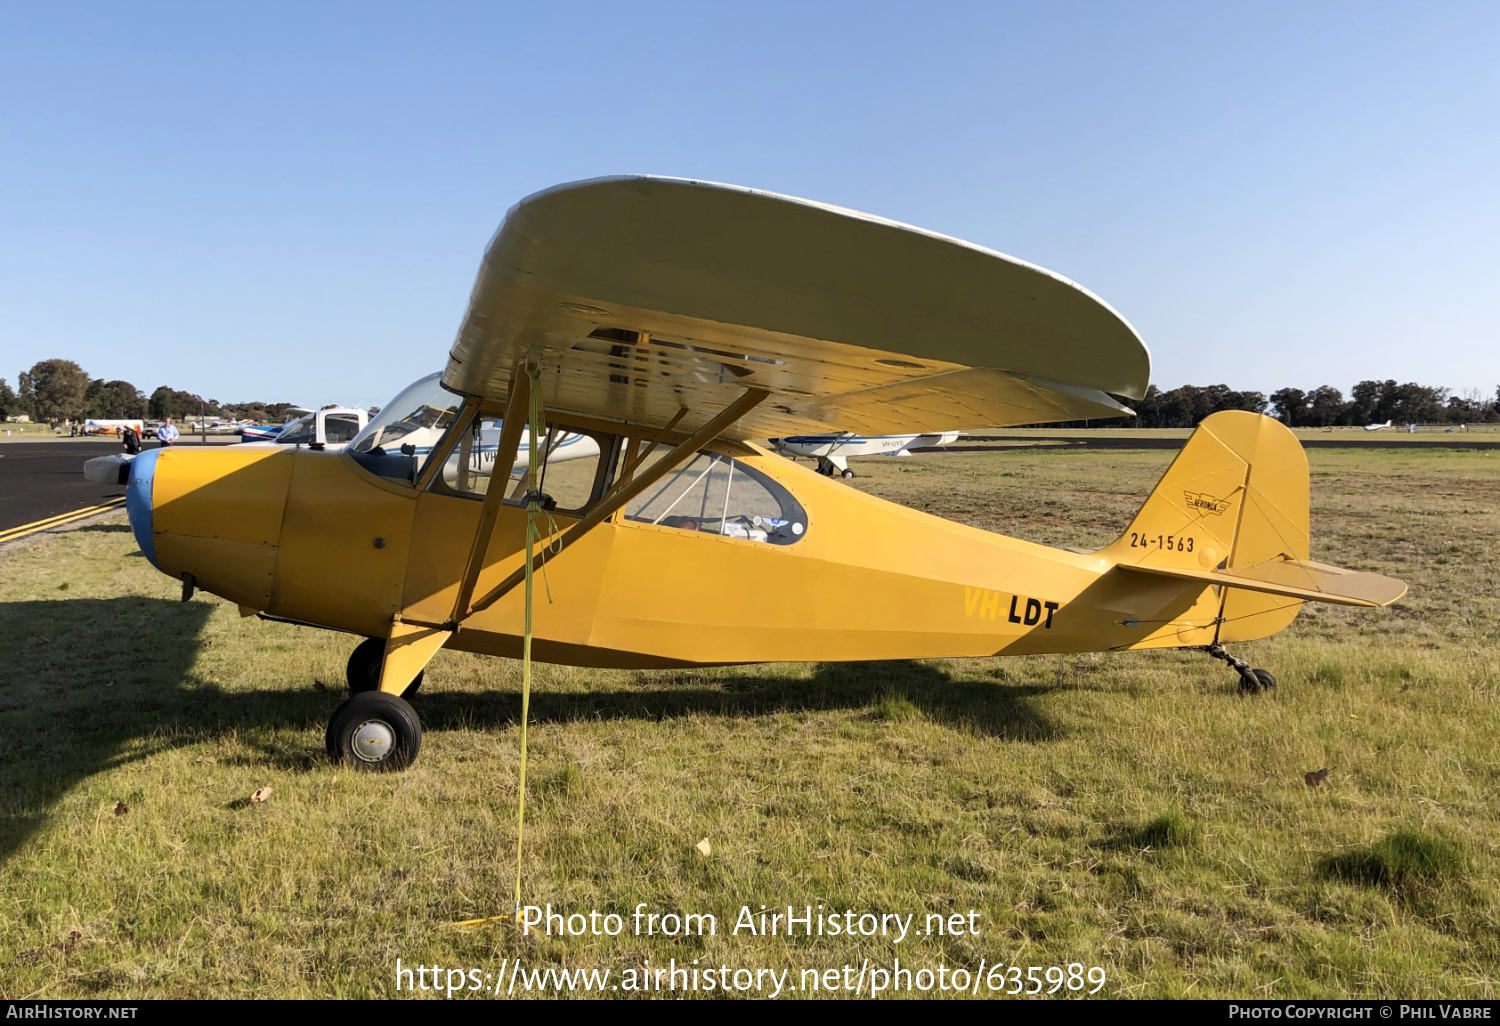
(315,537)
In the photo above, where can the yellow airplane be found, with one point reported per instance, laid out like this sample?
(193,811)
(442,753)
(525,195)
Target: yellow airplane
(674,322)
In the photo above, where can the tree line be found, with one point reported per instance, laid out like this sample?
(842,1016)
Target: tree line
(1369,402)
(57,391)
(54,391)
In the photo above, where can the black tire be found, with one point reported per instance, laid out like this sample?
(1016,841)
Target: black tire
(1253,682)
(363,671)
(847,473)
(374,732)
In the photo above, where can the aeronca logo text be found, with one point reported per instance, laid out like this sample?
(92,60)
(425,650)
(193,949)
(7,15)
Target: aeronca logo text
(1205,503)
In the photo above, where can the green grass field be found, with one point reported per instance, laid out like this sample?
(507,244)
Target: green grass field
(27,432)
(1353,436)
(1127,811)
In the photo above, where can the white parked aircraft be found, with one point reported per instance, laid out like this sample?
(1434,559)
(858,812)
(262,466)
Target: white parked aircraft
(330,428)
(833,451)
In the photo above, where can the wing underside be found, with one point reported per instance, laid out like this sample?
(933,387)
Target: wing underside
(642,298)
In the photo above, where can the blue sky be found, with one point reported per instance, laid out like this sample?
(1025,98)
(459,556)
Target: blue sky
(289,201)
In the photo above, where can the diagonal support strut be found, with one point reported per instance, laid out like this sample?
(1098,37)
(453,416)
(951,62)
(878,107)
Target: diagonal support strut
(624,492)
(512,423)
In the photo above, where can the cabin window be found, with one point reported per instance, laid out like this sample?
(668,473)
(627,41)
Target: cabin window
(714,494)
(571,469)
(467,468)
(340,427)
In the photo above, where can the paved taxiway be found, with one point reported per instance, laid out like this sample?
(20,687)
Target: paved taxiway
(40,481)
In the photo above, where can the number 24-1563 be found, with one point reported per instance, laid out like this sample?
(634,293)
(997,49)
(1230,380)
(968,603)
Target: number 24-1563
(1166,542)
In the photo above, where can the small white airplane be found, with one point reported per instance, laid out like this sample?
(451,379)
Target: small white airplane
(1377,427)
(330,428)
(833,451)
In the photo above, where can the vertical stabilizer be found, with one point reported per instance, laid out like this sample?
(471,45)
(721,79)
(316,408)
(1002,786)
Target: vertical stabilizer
(1236,496)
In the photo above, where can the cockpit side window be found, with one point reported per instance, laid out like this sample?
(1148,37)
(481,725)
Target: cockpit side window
(340,427)
(574,466)
(714,494)
(470,460)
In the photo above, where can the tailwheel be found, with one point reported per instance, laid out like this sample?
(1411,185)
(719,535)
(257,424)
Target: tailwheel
(374,731)
(363,671)
(1252,680)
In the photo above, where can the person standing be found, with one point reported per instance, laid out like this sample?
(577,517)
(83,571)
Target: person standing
(167,434)
(131,440)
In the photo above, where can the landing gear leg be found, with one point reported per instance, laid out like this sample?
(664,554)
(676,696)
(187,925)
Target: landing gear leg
(365,664)
(834,466)
(1252,681)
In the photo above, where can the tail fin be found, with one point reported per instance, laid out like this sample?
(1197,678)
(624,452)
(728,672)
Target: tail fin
(1232,509)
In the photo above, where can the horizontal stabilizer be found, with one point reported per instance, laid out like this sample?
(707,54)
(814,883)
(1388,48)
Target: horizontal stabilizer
(1295,578)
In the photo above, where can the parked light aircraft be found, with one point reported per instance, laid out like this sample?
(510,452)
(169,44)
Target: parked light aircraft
(261,432)
(672,323)
(330,428)
(94,426)
(833,451)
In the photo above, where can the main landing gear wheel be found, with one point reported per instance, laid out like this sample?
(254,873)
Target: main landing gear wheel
(374,731)
(363,671)
(847,472)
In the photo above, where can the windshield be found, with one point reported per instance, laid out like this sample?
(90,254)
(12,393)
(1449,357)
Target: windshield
(299,432)
(416,418)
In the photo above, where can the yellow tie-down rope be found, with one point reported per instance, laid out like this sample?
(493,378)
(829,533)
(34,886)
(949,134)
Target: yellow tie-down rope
(534,430)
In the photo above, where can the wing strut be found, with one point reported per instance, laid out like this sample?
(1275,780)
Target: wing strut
(511,425)
(625,491)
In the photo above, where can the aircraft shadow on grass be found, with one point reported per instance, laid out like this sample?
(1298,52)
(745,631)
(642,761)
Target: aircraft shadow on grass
(91,684)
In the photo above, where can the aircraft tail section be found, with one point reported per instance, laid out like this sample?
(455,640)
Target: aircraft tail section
(1232,510)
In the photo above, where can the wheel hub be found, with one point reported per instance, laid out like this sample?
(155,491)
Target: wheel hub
(373,741)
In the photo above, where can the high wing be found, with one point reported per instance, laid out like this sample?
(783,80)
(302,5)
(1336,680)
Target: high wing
(660,301)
